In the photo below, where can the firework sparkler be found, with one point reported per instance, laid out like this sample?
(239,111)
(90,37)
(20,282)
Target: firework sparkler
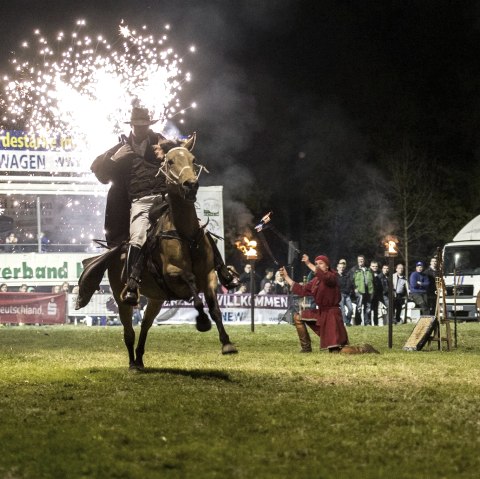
(82,86)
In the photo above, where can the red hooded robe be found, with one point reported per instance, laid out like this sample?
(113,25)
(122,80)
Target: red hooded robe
(325,290)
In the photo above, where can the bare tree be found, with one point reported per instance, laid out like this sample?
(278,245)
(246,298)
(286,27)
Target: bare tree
(412,189)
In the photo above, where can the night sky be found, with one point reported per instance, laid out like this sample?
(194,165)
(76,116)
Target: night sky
(301,103)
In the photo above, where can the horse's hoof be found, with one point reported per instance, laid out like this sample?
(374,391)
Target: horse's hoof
(135,368)
(204,324)
(229,349)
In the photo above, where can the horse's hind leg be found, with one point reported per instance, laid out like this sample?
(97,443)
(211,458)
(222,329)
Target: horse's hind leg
(151,311)
(216,315)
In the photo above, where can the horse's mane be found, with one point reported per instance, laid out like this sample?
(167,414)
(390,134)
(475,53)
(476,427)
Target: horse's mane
(167,145)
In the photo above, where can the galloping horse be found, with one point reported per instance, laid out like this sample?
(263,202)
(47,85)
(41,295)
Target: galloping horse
(182,253)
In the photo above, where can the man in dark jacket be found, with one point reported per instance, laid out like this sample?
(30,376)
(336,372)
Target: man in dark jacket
(131,167)
(346,291)
(432,273)
(419,283)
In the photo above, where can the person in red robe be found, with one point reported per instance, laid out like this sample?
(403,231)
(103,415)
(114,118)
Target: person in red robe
(325,290)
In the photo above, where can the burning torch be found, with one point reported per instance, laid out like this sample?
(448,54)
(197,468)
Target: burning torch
(248,247)
(391,251)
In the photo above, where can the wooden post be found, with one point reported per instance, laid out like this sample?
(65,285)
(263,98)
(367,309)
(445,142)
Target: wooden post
(252,296)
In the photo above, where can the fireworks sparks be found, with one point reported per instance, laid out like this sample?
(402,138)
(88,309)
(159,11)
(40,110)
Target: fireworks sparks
(82,86)
(72,92)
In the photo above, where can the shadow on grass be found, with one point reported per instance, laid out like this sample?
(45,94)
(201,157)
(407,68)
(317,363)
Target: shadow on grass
(192,373)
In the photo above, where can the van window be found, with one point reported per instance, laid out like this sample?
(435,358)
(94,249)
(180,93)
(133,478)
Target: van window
(464,259)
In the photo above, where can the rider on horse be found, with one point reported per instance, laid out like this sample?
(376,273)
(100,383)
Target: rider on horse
(132,168)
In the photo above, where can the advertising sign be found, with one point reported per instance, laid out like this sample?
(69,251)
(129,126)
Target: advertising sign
(22,152)
(36,269)
(235,308)
(32,308)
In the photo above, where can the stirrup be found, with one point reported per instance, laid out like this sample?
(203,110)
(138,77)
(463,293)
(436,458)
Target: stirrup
(228,277)
(130,294)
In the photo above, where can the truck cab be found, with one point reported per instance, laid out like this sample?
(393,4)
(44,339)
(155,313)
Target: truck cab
(461,265)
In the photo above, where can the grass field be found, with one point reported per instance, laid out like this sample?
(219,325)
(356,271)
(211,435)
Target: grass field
(69,407)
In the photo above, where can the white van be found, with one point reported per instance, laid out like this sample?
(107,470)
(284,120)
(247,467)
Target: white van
(461,266)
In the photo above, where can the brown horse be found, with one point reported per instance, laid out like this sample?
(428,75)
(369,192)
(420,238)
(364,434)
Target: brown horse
(183,254)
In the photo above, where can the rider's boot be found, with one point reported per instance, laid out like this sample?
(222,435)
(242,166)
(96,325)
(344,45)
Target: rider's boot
(303,336)
(130,293)
(226,275)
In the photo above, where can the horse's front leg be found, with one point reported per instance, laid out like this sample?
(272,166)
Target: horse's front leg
(187,279)
(216,315)
(179,276)
(151,311)
(203,322)
(125,312)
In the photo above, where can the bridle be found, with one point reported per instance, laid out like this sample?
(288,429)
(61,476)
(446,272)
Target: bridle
(172,177)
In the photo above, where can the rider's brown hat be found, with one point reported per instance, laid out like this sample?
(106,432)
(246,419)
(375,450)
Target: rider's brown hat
(140,117)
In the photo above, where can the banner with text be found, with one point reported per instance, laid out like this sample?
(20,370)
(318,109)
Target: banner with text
(32,308)
(36,269)
(23,152)
(235,308)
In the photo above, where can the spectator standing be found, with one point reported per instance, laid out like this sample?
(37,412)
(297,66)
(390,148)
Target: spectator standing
(245,277)
(11,240)
(242,289)
(432,273)
(385,283)
(346,291)
(400,291)
(279,285)
(377,295)
(267,288)
(363,284)
(23,288)
(232,288)
(384,279)
(268,278)
(419,283)
(44,242)
(3,288)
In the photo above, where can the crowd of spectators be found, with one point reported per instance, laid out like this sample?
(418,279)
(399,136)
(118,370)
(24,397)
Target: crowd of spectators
(365,289)
(11,243)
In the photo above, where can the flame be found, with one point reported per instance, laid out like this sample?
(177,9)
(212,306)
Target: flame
(247,247)
(391,245)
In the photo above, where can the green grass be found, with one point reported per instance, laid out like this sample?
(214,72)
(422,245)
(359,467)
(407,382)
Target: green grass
(69,407)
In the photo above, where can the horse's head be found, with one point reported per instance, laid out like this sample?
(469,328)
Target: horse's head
(179,168)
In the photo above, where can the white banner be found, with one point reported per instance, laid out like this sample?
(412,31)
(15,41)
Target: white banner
(44,161)
(36,269)
(235,308)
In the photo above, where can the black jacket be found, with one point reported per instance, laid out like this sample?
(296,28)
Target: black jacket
(120,173)
(346,284)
